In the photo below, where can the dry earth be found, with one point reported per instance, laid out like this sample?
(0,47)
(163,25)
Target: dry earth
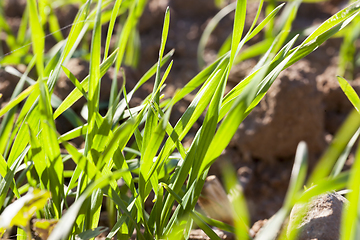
(305,102)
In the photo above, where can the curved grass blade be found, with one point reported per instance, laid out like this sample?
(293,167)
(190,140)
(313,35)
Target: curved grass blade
(350,93)
(75,81)
(208,30)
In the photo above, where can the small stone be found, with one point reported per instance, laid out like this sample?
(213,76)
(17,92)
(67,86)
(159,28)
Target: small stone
(322,219)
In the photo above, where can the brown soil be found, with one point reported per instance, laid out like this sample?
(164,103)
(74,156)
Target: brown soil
(305,102)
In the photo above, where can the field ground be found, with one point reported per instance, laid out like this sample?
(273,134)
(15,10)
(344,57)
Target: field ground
(305,102)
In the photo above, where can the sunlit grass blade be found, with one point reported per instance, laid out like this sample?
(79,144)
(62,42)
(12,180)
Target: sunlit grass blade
(208,129)
(27,114)
(196,108)
(54,25)
(269,231)
(124,36)
(199,79)
(38,157)
(231,122)
(255,30)
(327,29)
(75,81)
(208,30)
(348,50)
(114,14)
(285,22)
(18,99)
(254,50)
(298,175)
(77,32)
(164,36)
(274,69)
(350,93)
(239,23)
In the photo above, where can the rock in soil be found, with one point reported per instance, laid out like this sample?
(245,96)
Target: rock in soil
(322,219)
(290,112)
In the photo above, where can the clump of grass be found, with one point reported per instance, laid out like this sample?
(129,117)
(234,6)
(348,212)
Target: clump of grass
(30,144)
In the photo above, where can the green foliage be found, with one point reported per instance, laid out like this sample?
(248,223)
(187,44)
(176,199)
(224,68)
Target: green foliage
(139,144)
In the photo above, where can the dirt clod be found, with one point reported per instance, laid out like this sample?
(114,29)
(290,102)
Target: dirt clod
(290,112)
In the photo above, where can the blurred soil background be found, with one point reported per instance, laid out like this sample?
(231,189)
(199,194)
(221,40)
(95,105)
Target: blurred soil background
(304,103)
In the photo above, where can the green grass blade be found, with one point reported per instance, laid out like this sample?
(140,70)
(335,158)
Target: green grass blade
(22,138)
(55,166)
(75,81)
(344,156)
(350,93)
(54,25)
(38,157)
(327,29)
(239,23)
(6,182)
(298,174)
(164,36)
(208,128)
(94,81)
(74,133)
(37,37)
(114,15)
(18,99)
(325,185)
(254,50)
